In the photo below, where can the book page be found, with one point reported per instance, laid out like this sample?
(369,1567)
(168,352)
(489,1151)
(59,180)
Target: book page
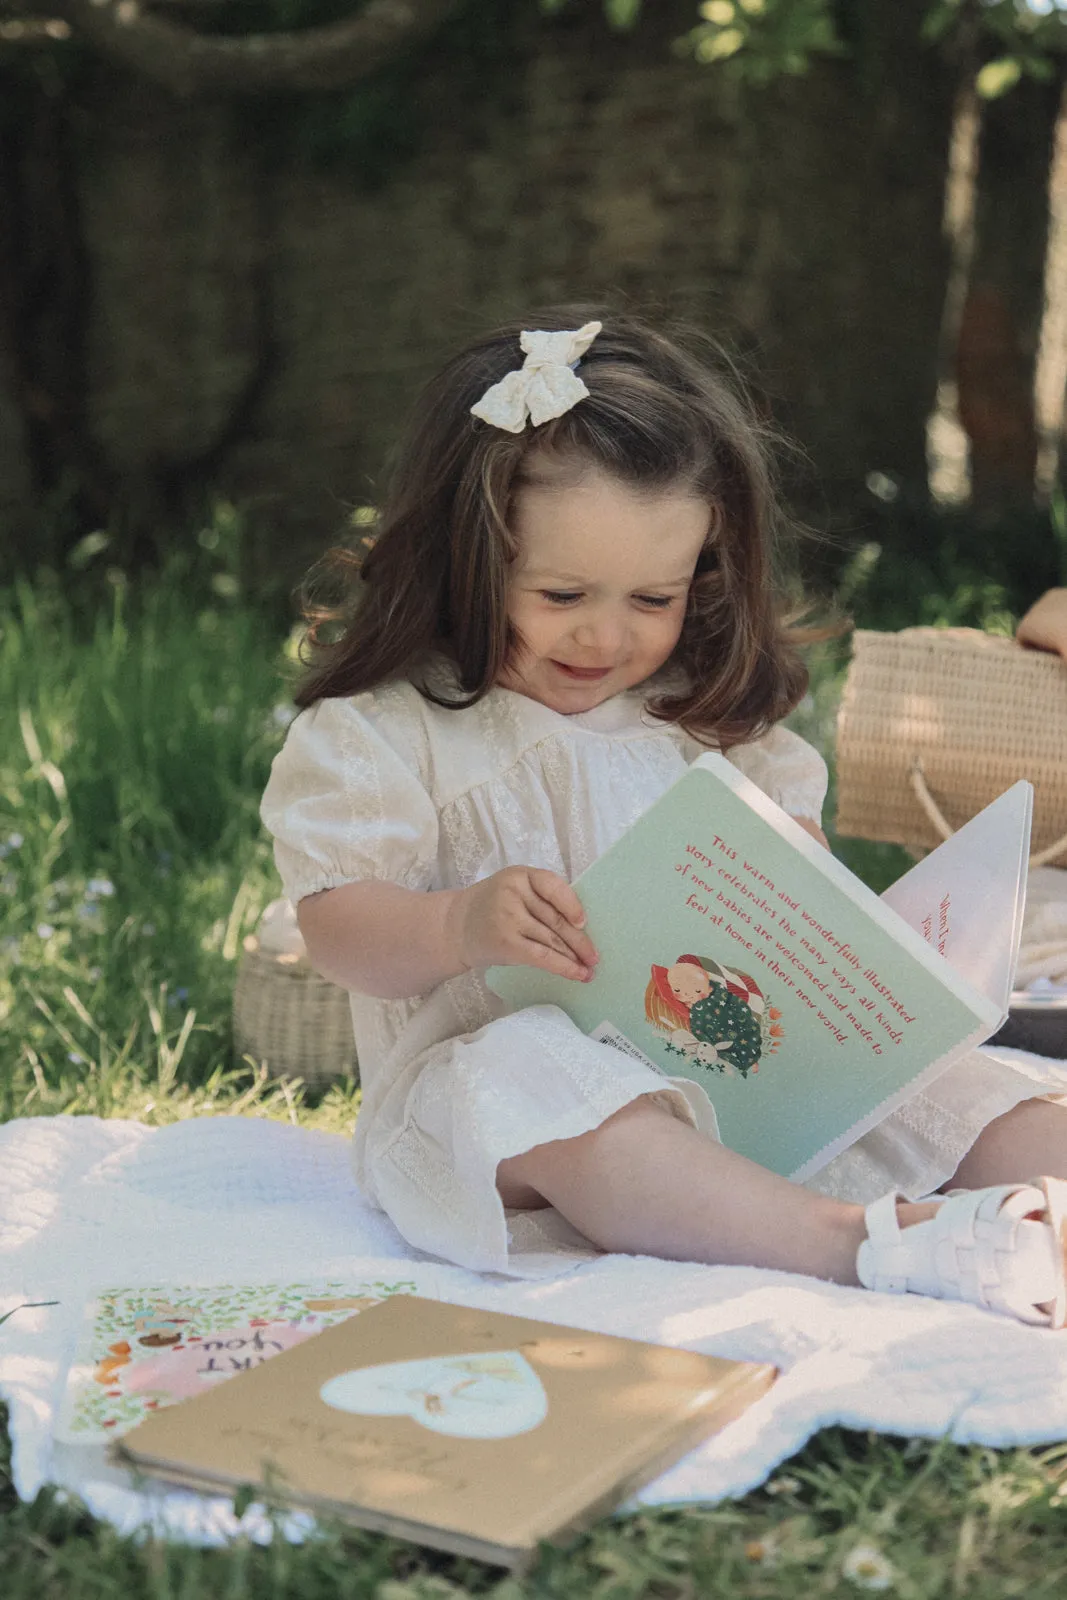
(738,953)
(966,897)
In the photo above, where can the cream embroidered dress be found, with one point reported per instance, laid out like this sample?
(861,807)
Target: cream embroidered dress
(389,786)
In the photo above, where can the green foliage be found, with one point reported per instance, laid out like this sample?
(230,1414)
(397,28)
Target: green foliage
(1058,520)
(1026,37)
(620,14)
(760,40)
(900,560)
(136,733)
(930,1517)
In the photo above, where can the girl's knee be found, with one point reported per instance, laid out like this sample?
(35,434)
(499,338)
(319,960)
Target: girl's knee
(516,1176)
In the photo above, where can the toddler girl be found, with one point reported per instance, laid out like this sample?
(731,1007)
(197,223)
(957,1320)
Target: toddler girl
(570,596)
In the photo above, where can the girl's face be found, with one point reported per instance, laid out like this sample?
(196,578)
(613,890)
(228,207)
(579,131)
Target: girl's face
(599,588)
(688,983)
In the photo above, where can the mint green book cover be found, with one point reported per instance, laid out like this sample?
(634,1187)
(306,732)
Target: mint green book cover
(737,952)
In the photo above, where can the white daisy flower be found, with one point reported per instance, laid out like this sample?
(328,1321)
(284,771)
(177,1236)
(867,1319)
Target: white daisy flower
(867,1568)
(764,1552)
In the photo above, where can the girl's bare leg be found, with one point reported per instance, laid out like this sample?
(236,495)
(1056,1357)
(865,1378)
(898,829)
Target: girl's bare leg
(1029,1141)
(647,1184)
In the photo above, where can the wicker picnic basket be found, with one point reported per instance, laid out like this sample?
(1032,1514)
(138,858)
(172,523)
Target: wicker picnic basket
(937,722)
(287,1016)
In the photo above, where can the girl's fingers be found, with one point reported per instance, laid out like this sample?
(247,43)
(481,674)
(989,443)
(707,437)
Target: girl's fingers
(577,944)
(559,894)
(545,949)
(553,905)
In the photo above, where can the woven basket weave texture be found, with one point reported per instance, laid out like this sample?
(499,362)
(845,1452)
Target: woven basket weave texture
(978,711)
(287,1016)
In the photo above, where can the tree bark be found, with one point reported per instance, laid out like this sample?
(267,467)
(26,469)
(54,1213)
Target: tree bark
(191,64)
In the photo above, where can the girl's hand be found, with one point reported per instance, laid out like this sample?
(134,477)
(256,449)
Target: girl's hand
(522,917)
(1045,624)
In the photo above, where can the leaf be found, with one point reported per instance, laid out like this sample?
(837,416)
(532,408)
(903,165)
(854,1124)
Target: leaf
(938,21)
(243,1499)
(622,14)
(997,77)
(719,46)
(88,547)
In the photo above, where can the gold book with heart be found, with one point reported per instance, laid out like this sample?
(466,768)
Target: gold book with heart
(471,1431)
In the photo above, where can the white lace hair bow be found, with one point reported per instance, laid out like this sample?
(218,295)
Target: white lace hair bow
(544,386)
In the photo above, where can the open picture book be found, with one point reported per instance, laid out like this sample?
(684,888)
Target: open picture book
(472,1431)
(737,952)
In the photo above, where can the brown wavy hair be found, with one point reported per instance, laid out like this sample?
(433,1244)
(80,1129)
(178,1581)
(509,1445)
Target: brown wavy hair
(663,413)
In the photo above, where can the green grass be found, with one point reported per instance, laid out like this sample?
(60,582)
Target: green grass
(136,731)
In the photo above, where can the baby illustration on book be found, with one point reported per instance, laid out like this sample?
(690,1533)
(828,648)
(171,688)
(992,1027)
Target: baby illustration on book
(713,1014)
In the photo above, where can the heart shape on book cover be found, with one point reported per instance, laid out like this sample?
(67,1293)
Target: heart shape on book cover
(489,1394)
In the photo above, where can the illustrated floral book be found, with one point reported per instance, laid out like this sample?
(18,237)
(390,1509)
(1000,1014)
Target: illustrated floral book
(472,1431)
(141,1350)
(739,953)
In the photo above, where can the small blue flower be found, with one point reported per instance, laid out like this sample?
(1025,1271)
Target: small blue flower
(72,1055)
(88,911)
(100,887)
(44,930)
(13,842)
(281,716)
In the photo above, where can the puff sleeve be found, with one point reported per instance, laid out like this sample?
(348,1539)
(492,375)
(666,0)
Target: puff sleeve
(345,803)
(787,768)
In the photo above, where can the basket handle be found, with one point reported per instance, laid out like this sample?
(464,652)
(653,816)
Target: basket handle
(917,779)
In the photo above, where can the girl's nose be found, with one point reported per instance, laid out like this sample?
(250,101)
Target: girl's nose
(601,631)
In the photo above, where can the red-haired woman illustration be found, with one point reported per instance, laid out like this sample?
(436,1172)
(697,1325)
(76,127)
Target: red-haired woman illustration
(712,1012)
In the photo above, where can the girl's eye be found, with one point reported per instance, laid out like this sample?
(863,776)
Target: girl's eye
(659,602)
(560,597)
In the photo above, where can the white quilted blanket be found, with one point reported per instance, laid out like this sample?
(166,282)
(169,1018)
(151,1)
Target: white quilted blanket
(87,1204)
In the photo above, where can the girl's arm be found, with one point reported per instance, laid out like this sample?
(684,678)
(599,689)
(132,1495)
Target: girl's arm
(391,942)
(812,827)
(1045,624)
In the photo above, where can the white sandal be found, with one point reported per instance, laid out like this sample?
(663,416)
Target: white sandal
(1002,1248)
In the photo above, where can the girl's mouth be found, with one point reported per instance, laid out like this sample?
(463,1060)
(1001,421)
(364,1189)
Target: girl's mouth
(582,674)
